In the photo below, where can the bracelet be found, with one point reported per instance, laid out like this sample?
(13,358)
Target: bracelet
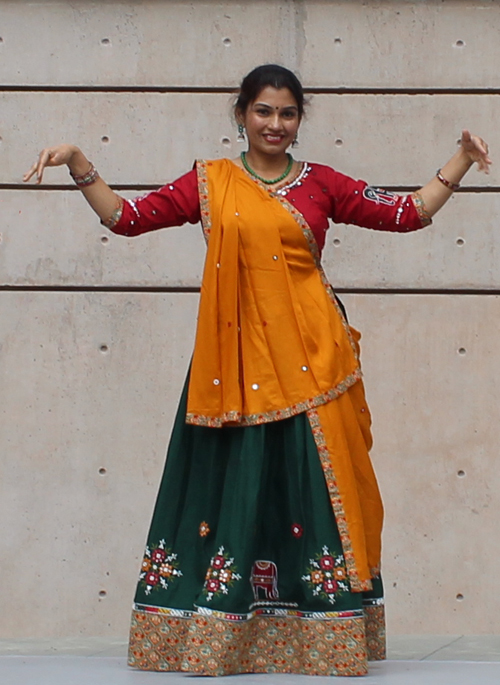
(445,182)
(86,179)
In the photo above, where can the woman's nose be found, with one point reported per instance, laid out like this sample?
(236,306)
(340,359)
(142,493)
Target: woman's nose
(275,121)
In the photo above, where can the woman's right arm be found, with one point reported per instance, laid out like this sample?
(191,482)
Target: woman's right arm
(175,204)
(98,194)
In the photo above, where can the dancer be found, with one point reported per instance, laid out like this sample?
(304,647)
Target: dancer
(264,549)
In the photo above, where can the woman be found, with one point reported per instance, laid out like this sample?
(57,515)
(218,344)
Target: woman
(264,549)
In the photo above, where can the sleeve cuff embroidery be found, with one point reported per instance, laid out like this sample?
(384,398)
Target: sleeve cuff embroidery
(422,212)
(116,216)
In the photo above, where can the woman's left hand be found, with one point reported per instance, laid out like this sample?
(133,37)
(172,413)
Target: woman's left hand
(477,150)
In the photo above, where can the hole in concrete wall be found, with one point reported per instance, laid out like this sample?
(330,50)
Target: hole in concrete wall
(459,140)
(102,593)
(460,43)
(104,349)
(461,473)
(104,239)
(460,597)
(337,40)
(462,350)
(102,471)
(336,241)
(105,41)
(105,139)
(227,41)
(225,140)
(339,142)
(460,241)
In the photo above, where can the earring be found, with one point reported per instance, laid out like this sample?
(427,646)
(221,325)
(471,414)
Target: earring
(295,142)
(241,133)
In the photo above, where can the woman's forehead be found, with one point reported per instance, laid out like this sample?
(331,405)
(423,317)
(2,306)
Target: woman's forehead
(276,97)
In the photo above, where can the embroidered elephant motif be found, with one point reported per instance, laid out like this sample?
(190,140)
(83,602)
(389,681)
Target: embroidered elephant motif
(264,577)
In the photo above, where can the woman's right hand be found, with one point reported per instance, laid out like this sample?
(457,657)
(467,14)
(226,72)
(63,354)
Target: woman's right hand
(53,156)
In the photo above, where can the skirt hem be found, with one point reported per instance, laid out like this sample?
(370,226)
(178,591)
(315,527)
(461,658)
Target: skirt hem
(212,646)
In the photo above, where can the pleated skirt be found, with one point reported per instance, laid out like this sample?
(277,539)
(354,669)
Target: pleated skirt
(243,569)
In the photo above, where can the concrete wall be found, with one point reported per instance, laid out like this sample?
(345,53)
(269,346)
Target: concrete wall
(96,330)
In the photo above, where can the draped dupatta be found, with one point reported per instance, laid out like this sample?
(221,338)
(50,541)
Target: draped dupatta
(271,341)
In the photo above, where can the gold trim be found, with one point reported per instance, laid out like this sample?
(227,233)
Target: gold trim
(419,203)
(115,217)
(375,632)
(214,646)
(206,220)
(357,585)
(277,415)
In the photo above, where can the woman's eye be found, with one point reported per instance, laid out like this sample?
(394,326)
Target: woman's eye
(263,112)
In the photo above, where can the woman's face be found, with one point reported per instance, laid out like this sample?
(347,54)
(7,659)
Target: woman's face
(271,121)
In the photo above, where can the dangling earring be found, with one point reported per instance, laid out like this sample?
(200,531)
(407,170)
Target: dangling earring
(295,142)
(241,133)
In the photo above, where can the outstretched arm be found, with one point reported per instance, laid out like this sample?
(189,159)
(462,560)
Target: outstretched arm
(472,149)
(98,194)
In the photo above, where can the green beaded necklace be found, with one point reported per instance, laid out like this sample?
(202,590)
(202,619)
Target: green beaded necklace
(269,182)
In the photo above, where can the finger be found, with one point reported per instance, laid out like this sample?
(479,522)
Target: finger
(466,136)
(480,145)
(30,172)
(42,163)
(483,165)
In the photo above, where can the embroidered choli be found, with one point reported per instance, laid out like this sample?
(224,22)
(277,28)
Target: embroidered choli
(318,192)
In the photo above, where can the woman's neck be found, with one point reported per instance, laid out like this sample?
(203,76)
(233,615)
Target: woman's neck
(268,166)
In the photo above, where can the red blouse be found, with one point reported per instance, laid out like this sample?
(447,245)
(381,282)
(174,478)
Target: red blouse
(318,192)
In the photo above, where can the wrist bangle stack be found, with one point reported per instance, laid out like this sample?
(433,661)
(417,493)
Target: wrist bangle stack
(86,179)
(445,182)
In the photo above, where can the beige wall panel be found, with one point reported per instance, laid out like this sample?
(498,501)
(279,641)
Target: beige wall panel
(459,251)
(53,238)
(151,138)
(405,44)
(401,44)
(160,43)
(433,382)
(70,409)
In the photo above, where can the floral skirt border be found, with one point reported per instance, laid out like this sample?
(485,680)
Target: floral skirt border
(215,644)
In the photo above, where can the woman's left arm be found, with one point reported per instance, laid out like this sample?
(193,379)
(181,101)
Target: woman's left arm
(472,149)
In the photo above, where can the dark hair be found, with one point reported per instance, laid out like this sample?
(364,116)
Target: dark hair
(268,75)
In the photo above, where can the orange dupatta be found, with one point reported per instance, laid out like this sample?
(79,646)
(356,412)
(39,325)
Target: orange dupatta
(271,341)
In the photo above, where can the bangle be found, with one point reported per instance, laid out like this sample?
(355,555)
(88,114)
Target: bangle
(445,182)
(86,179)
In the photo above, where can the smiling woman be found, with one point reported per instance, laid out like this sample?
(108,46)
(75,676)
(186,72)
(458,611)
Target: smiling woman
(263,555)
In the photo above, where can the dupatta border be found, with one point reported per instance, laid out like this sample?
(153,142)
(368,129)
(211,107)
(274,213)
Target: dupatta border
(202,176)
(357,585)
(240,419)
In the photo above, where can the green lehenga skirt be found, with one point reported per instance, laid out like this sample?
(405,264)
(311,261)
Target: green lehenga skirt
(243,569)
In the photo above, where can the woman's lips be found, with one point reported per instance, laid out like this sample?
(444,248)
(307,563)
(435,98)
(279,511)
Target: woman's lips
(274,140)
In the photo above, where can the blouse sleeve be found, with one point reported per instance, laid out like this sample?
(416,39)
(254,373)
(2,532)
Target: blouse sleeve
(175,204)
(355,202)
